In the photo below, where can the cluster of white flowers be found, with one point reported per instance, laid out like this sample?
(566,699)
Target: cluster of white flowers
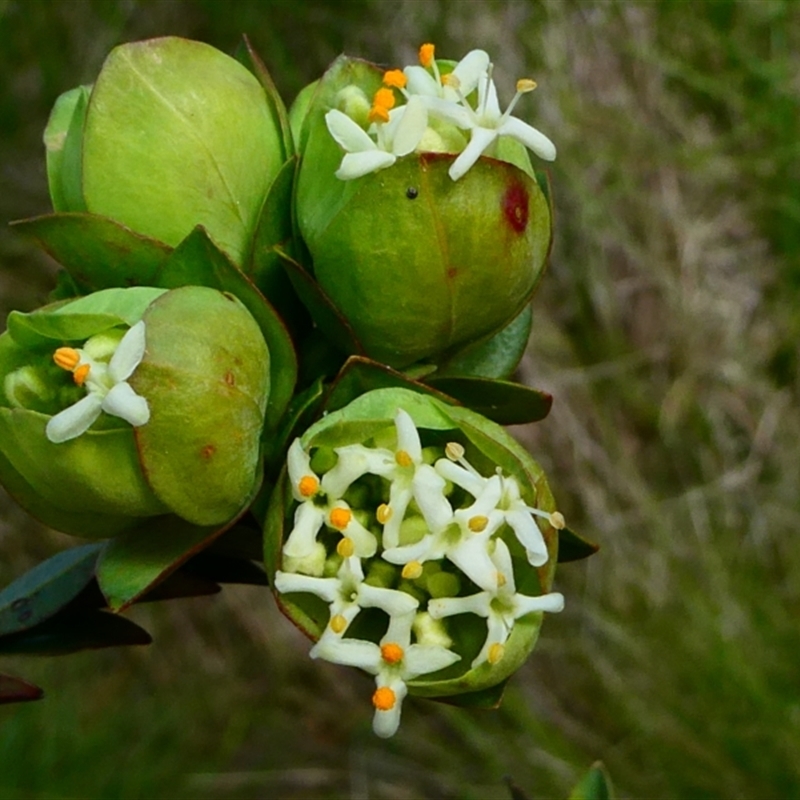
(395,131)
(418,500)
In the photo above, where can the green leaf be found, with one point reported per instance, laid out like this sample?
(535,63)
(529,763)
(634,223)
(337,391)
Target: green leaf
(501,401)
(224,569)
(496,357)
(485,698)
(70,633)
(96,251)
(198,262)
(15,690)
(63,141)
(319,305)
(573,547)
(595,785)
(135,562)
(47,588)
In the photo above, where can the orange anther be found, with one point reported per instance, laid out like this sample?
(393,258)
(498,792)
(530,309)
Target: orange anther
(378,114)
(67,358)
(392,653)
(383,513)
(340,518)
(308,485)
(426,54)
(403,458)
(412,570)
(496,653)
(384,698)
(338,623)
(385,98)
(395,78)
(81,373)
(478,523)
(345,548)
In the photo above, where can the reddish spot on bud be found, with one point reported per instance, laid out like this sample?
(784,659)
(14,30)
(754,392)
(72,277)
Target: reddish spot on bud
(229,378)
(452,272)
(207,451)
(515,207)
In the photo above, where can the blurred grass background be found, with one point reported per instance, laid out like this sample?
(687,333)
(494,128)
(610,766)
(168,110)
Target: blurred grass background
(667,329)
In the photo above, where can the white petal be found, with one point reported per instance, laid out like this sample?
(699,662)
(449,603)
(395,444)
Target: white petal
(529,535)
(308,520)
(471,69)
(399,498)
(386,723)
(450,606)
(449,111)
(420,81)
(488,106)
(356,165)
(428,488)
(399,629)
(349,652)
(472,558)
(129,353)
(468,481)
(364,541)
(489,497)
(528,135)
(407,436)
(75,420)
(553,603)
(497,633)
(411,127)
(423,550)
(421,659)
(326,588)
(299,465)
(505,566)
(347,133)
(481,139)
(392,601)
(354,461)
(121,401)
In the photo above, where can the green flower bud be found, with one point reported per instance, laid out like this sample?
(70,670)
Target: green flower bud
(173,134)
(464,577)
(419,264)
(131,403)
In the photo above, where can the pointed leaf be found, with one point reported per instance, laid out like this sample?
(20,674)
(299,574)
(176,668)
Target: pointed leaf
(135,562)
(595,785)
(63,140)
(485,698)
(501,401)
(47,588)
(15,690)
(98,252)
(573,547)
(70,633)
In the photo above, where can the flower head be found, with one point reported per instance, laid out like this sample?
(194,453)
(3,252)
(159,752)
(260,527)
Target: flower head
(107,388)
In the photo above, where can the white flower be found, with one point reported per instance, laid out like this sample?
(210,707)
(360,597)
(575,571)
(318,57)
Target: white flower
(321,503)
(396,138)
(486,123)
(393,662)
(501,608)
(466,75)
(106,385)
(346,595)
(464,540)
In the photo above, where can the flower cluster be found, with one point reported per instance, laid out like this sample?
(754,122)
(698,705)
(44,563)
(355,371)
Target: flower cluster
(419,534)
(437,108)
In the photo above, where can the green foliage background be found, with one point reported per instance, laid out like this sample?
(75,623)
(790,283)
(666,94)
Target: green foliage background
(667,329)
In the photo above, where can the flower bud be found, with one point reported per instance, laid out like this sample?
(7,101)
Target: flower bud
(419,264)
(174,133)
(459,603)
(130,403)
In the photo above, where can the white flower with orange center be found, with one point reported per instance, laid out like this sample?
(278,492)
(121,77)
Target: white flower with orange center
(426,80)
(394,662)
(106,383)
(501,608)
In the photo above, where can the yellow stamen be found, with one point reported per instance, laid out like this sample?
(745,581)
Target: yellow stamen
(383,513)
(412,570)
(451,81)
(525,85)
(557,521)
(308,485)
(426,54)
(454,451)
(501,579)
(395,78)
(384,98)
(338,623)
(345,548)
(496,652)
(67,358)
(392,653)
(378,114)
(80,374)
(384,698)
(403,458)
(340,518)
(478,523)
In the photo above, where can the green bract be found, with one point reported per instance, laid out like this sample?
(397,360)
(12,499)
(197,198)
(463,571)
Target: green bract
(173,134)
(204,374)
(399,512)
(419,265)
